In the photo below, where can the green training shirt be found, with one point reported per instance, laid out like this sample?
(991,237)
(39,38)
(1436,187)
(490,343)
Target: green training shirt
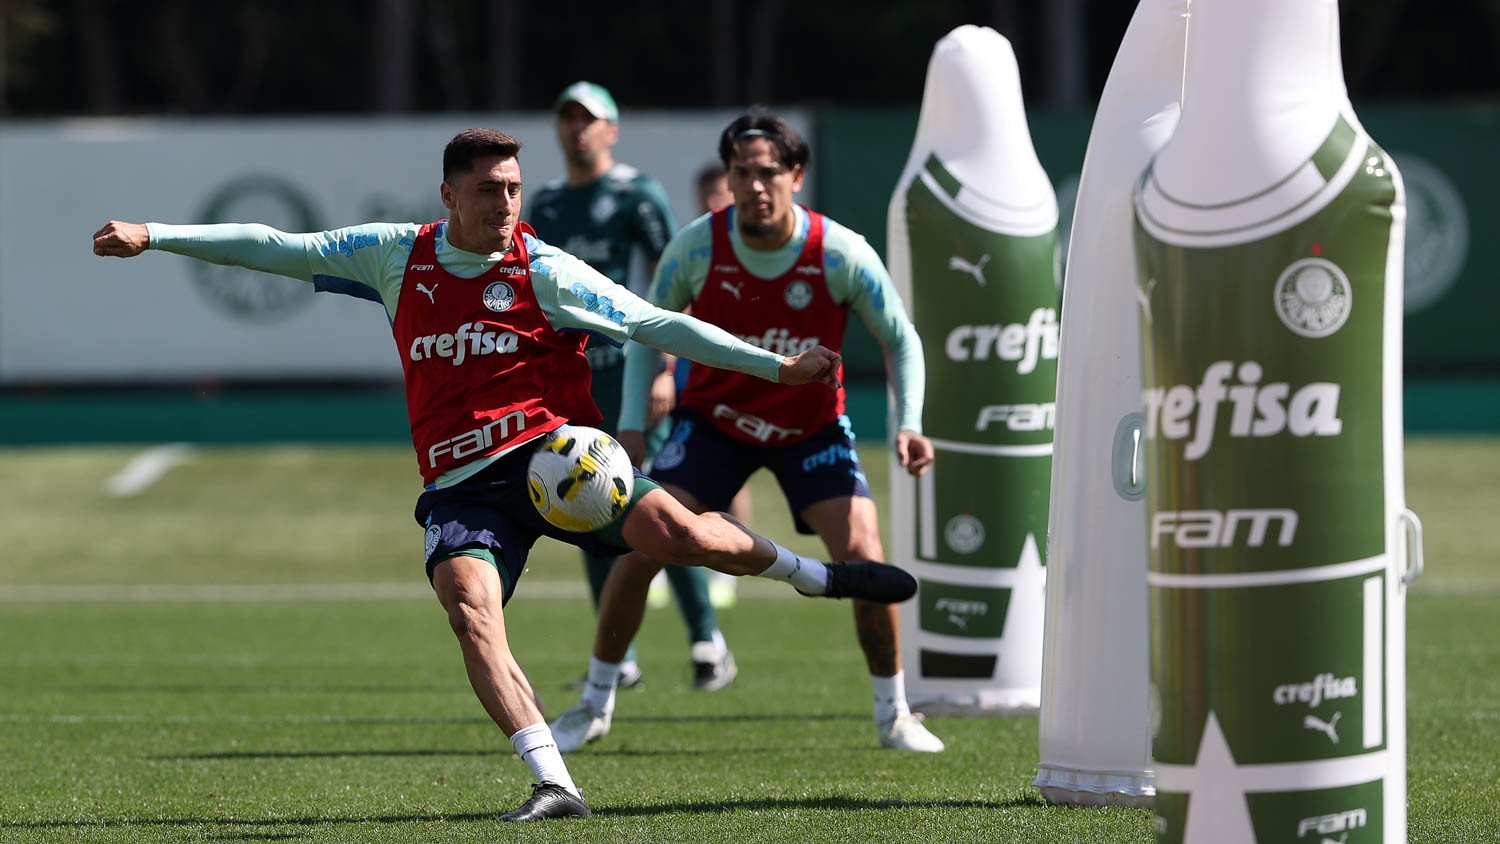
(619,224)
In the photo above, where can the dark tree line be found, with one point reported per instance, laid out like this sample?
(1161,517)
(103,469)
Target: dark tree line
(64,57)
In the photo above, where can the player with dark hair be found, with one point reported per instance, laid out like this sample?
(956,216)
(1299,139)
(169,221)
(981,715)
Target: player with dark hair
(784,278)
(489,321)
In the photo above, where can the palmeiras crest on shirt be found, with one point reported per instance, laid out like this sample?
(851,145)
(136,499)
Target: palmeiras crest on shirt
(499,296)
(603,208)
(799,294)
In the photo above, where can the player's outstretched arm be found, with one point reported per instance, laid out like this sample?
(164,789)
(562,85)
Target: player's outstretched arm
(119,239)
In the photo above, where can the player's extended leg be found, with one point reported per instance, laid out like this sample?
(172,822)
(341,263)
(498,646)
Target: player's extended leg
(849,527)
(470,590)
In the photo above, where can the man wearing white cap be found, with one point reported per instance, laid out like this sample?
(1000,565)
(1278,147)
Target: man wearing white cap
(618,220)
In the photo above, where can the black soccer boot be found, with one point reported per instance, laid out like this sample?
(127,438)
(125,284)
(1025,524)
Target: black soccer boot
(548,801)
(867,580)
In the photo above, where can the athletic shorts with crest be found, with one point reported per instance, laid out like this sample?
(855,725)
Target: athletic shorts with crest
(712,466)
(491,515)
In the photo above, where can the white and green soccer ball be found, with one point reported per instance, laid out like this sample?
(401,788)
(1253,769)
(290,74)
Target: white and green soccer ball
(580,478)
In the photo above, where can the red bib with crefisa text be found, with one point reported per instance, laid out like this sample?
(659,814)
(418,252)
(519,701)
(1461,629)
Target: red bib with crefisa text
(485,370)
(787,315)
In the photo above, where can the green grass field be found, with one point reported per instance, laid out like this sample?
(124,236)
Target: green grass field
(246,651)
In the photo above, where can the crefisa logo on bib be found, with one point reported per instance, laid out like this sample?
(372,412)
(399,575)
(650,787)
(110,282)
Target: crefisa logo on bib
(499,296)
(1313,297)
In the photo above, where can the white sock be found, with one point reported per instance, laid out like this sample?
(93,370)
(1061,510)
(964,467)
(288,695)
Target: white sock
(890,697)
(539,752)
(804,574)
(711,650)
(599,690)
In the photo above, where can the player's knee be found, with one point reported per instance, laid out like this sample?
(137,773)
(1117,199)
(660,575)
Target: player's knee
(473,610)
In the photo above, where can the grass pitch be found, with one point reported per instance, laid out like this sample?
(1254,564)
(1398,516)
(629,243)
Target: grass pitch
(246,650)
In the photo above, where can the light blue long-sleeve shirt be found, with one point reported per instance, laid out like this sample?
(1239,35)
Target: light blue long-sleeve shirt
(369,261)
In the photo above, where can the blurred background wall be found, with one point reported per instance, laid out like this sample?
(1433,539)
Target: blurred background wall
(316,115)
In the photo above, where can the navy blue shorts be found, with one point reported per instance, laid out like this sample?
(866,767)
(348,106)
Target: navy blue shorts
(492,512)
(713,465)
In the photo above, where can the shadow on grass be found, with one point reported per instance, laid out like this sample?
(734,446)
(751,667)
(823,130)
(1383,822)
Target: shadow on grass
(245,755)
(836,804)
(236,755)
(722,718)
(717,807)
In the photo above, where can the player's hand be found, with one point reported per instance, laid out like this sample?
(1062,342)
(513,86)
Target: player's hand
(818,365)
(914,451)
(121,240)
(663,398)
(634,443)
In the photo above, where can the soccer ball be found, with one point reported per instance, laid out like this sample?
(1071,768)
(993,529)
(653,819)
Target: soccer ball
(580,479)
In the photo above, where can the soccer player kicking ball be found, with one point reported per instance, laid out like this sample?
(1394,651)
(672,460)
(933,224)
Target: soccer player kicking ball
(783,278)
(490,321)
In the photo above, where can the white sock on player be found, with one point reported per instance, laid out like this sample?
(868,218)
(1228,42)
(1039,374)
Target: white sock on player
(538,750)
(890,697)
(805,575)
(599,689)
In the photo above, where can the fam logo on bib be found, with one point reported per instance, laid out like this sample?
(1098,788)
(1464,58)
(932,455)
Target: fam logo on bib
(499,296)
(1313,297)
(799,294)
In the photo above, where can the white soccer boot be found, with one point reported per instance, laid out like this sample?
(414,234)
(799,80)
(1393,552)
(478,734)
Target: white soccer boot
(904,732)
(579,726)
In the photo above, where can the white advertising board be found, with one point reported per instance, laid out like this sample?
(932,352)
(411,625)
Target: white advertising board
(67,316)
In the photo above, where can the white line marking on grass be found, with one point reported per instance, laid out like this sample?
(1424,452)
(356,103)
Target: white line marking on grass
(146,468)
